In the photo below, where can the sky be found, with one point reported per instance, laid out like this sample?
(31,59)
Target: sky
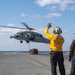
(37,14)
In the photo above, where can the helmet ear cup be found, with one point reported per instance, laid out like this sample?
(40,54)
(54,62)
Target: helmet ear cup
(54,30)
(57,30)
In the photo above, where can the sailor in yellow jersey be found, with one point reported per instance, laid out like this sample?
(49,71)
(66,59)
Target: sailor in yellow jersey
(56,54)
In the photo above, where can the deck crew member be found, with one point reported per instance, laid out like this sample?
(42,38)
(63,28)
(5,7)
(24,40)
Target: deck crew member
(72,56)
(56,54)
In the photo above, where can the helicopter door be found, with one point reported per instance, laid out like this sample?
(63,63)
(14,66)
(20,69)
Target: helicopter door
(32,38)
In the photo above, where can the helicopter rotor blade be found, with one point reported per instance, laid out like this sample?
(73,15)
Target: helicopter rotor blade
(11,27)
(27,26)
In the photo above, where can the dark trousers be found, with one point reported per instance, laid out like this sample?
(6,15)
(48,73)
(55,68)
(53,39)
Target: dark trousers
(72,72)
(57,57)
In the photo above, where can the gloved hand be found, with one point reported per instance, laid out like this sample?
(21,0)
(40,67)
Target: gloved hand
(70,56)
(49,25)
(69,59)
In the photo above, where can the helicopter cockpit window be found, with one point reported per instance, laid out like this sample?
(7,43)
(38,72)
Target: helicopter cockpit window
(39,35)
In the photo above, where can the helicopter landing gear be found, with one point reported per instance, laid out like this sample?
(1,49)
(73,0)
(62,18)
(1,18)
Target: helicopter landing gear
(27,41)
(11,37)
(21,41)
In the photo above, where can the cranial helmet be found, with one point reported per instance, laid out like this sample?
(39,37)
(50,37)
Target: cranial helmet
(74,35)
(57,30)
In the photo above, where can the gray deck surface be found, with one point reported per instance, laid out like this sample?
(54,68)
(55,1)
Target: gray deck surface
(26,64)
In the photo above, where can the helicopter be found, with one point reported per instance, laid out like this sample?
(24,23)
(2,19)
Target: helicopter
(28,36)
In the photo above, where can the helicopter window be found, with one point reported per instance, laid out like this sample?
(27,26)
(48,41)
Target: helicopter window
(22,33)
(33,35)
(39,35)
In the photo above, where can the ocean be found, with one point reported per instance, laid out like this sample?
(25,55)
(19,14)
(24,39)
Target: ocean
(39,52)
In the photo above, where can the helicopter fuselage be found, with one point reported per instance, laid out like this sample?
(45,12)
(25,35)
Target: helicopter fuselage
(30,37)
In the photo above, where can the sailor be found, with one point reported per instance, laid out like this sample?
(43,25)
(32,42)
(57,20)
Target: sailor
(72,56)
(56,54)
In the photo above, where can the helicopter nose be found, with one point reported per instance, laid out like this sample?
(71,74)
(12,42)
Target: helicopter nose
(11,37)
(15,36)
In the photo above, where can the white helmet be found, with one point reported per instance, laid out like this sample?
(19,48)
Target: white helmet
(74,35)
(57,30)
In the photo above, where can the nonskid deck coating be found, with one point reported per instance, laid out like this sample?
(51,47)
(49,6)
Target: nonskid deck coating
(26,64)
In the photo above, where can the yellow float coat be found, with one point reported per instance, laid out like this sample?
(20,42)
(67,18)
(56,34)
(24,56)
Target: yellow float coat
(56,41)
